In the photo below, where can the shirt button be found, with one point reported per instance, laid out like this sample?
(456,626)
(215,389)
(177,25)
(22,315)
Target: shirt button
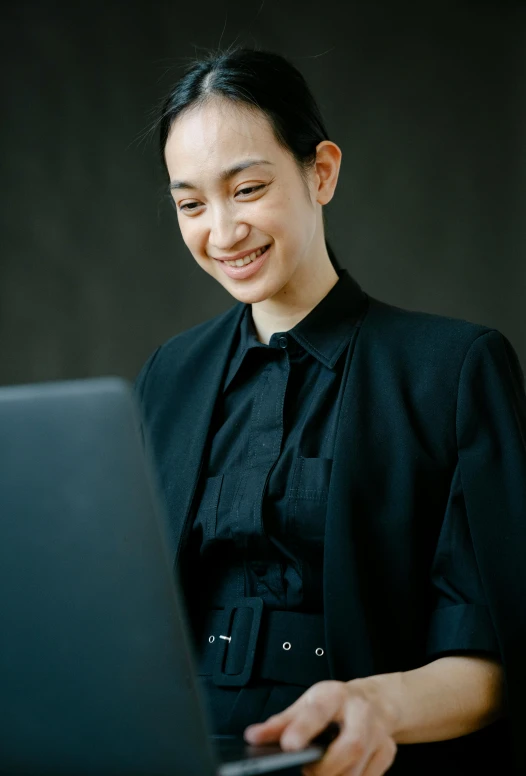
(283,342)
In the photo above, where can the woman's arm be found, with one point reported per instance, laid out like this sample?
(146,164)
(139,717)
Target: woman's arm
(450,697)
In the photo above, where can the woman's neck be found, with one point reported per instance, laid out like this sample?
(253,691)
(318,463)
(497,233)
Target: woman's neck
(283,313)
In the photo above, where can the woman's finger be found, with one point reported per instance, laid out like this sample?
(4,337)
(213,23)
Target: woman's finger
(382,759)
(377,765)
(353,747)
(268,731)
(294,720)
(343,756)
(271,730)
(354,751)
(318,706)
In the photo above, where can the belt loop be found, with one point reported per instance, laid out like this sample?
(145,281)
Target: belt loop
(227,640)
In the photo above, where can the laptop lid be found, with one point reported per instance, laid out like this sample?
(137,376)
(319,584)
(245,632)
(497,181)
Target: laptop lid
(96,675)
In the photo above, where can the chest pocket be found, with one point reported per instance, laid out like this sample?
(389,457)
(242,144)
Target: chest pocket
(307,498)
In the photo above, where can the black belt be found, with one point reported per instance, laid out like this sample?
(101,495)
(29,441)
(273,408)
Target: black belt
(244,640)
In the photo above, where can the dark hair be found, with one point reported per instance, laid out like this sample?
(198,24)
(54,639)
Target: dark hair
(260,80)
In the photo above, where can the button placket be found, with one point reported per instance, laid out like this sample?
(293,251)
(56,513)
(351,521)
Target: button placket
(264,443)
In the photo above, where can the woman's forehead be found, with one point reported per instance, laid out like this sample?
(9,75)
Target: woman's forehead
(217,136)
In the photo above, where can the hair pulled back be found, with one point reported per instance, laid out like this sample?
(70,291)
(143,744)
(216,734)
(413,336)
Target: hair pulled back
(259,80)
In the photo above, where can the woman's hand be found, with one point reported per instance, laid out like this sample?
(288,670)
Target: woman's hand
(364,745)
(449,697)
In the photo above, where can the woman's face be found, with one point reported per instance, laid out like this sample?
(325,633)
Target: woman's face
(222,212)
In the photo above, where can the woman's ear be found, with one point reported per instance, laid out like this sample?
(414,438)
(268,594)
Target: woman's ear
(327,168)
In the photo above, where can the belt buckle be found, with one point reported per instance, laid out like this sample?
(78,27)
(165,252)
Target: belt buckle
(220,678)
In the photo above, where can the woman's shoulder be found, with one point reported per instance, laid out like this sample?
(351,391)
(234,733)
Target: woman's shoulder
(426,354)
(419,331)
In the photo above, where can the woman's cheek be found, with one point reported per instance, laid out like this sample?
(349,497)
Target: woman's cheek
(190,238)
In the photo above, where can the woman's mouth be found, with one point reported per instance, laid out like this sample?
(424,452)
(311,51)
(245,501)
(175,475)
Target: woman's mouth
(249,265)
(247,259)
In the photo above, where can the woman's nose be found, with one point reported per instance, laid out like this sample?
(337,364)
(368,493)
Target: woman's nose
(225,233)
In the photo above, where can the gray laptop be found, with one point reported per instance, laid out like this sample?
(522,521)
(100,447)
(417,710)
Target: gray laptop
(96,670)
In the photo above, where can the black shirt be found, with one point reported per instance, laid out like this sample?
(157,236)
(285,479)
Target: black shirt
(259,511)
(260,508)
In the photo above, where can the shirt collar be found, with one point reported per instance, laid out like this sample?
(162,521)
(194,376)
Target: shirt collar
(324,332)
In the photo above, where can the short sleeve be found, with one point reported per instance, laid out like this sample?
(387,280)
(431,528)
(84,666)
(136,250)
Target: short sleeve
(478,572)
(491,440)
(460,620)
(484,526)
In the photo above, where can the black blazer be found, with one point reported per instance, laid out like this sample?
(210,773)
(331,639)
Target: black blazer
(433,420)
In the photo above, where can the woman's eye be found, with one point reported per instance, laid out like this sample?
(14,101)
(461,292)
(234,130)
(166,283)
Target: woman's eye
(249,190)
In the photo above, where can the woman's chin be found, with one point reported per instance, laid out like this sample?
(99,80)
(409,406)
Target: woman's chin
(260,292)
(249,291)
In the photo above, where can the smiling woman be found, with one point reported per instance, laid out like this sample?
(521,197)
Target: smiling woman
(250,168)
(354,472)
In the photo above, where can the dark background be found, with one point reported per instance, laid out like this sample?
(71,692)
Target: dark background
(427,106)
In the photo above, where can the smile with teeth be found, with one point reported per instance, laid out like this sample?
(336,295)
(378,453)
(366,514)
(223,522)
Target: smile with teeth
(247,259)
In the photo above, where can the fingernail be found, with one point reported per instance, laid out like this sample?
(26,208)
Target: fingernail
(250,732)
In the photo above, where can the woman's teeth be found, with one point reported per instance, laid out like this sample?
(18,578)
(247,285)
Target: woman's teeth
(248,259)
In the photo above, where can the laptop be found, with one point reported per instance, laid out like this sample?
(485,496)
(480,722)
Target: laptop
(97,674)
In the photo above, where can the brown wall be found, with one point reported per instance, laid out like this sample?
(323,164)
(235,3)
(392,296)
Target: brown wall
(428,109)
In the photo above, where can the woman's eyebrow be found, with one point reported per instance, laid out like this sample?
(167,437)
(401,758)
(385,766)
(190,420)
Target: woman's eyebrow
(225,174)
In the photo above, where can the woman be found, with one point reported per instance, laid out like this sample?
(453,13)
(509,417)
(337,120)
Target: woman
(345,480)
